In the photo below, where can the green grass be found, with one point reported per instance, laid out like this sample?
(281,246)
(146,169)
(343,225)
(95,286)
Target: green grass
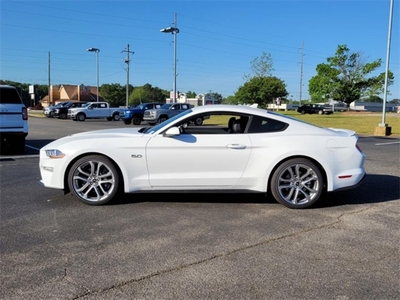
(362,123)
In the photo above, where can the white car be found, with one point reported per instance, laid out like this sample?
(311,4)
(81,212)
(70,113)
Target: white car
(239,148)
(13,119)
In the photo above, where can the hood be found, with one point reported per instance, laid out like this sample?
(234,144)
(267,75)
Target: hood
(104,134)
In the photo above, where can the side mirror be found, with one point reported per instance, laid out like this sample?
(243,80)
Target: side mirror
(173,131)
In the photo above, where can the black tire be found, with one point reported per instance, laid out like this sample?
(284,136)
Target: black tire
(320,112)
(116,117)
(63,116)
(127,122)
(51,114)
(109,119)
(18,145)
(81,117)
(162,119)
(303,112)
(198,121)
(94,179)
(136,120)
(297,183)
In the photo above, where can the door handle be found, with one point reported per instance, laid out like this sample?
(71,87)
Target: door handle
(236,146)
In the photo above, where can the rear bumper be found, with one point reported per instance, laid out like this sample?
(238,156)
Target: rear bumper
(352,186)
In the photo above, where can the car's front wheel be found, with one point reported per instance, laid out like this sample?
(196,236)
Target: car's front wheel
(297,183)
(198,121)
(136,120)
(81,117)
(94,179)
(63,116)
(162,119)
(116,117)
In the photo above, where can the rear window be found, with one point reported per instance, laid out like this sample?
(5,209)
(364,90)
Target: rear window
(9,96)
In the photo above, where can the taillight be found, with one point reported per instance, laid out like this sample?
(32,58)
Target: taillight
(24,113)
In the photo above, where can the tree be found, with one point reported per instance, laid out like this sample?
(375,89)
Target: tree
(344,78)
(191,94)
(147,93)
(373,99)
(261,90)
(261,66)
(114,93)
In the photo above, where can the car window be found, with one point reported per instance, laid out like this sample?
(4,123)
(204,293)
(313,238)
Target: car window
(262,125)
(10,96)
(166,106)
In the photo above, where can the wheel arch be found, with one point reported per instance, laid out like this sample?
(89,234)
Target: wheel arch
(71,163)
(320,167)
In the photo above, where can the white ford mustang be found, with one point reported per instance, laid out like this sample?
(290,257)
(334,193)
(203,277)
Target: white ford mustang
(238,148)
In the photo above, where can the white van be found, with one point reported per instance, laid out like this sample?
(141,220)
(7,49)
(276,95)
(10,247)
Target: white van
(13,119)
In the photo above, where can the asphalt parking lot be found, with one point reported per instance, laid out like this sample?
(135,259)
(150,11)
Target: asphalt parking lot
(197,246)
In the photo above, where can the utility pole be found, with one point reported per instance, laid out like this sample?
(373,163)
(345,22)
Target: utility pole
(301,71)
(127,61)
(48,71)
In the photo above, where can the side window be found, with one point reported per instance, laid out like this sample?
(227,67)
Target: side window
(261,125)
(184,106)
(158,106)
(102,105)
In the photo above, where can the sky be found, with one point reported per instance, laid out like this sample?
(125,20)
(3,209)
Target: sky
(47,41)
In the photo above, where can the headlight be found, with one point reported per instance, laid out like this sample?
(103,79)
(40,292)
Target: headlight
(54,153)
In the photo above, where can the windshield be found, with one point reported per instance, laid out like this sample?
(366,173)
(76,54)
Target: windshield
(157,127)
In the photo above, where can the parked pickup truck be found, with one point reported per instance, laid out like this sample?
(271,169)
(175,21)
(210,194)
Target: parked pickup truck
(95,110)
(135,115)
(168,110)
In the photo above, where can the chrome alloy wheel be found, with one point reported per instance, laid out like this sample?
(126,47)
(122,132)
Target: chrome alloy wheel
(94,179)
(297,183)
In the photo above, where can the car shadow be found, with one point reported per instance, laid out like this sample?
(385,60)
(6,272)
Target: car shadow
(374,189)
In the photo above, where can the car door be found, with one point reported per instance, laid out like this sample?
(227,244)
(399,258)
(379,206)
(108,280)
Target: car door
(197,160)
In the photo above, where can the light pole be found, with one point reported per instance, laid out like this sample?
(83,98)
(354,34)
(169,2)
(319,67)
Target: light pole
(97,67)
(383,123)
(174,30)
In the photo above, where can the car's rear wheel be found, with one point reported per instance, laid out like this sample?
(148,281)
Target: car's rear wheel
(320,112)
(137,120)
(94,179)
(63,116)
(116,117)
(18,144)
(297,183)
(303,112)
